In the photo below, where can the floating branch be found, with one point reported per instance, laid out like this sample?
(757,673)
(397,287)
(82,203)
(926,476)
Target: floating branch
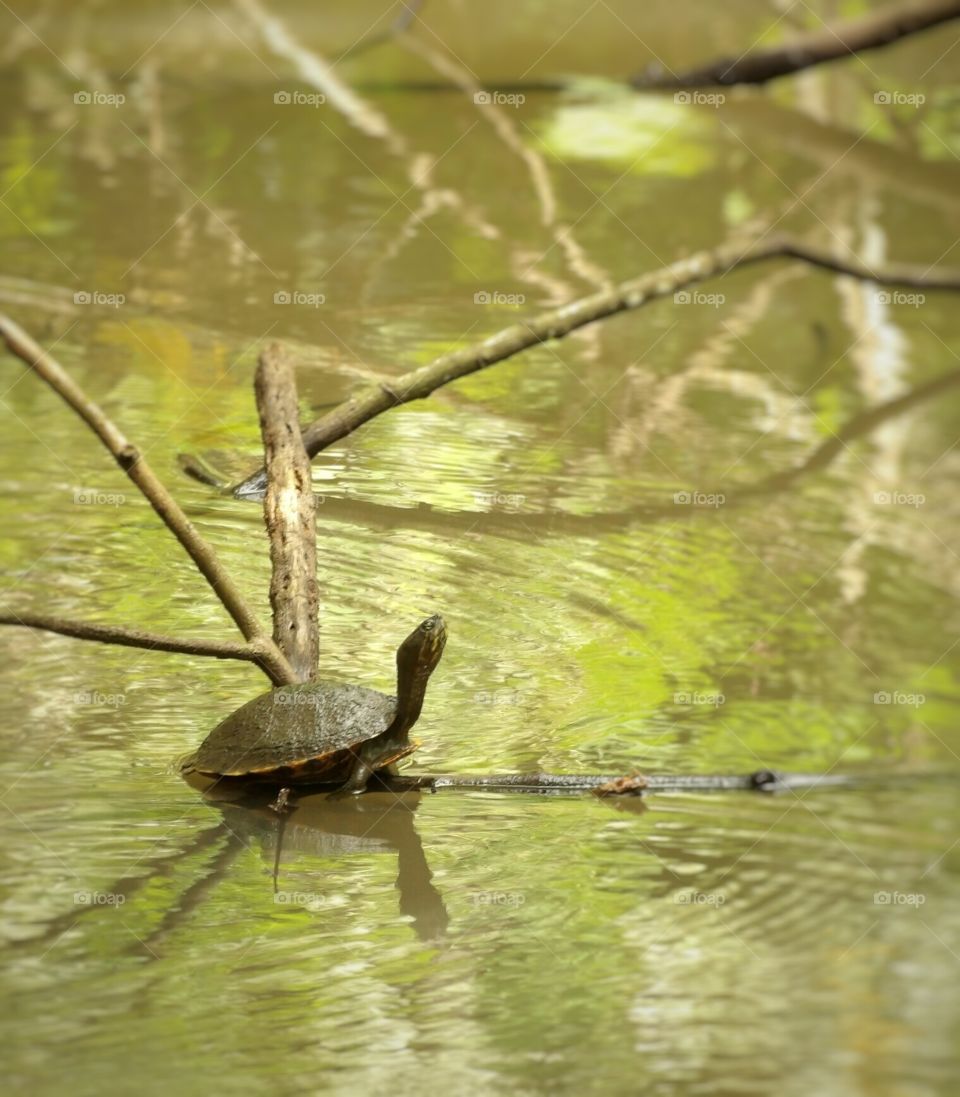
(803,51)
(289,511)
(763,780)
(374,400)
(134,464)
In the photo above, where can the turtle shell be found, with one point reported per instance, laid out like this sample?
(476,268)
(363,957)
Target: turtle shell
(298,732)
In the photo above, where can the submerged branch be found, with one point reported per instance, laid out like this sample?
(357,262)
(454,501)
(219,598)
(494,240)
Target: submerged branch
(815,47)
(289,512)
(133,638)
(763,780)
(133,463)
(374,400)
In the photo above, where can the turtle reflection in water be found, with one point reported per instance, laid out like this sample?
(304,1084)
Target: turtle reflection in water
(320,733)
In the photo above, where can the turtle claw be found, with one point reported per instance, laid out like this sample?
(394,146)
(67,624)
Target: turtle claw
(281,804)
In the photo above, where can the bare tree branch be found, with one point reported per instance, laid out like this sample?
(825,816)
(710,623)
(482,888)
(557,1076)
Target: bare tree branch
(289,511)
(134,638)
(803,51)
(133,463)
(374,400)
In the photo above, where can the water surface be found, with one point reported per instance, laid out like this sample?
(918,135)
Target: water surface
(157,941)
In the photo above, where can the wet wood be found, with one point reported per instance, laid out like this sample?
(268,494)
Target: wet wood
(289,510)
(609,784)
(418,384)
(134,464)
(803,51)
(612,784)
(768,781)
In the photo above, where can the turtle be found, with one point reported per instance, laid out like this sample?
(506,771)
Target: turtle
(323,733)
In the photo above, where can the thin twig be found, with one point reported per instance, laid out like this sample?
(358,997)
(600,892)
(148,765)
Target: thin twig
(134,638)
(134,464)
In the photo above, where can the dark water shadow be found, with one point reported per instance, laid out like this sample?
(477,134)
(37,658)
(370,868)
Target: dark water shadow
(381,823)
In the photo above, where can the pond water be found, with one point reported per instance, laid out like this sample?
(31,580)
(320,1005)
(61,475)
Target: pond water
(155,940)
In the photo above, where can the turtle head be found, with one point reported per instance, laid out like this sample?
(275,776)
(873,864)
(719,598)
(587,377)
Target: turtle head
(421,651)
(417,658)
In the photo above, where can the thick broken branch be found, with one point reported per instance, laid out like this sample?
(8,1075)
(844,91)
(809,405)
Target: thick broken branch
(289,511)
(803,51)
(133,463)
(372,401)
(134,638)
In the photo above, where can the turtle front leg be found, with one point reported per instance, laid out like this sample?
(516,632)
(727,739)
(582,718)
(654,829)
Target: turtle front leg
(356,782)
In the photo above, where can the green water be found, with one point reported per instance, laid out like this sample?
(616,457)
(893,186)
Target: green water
(155,941)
